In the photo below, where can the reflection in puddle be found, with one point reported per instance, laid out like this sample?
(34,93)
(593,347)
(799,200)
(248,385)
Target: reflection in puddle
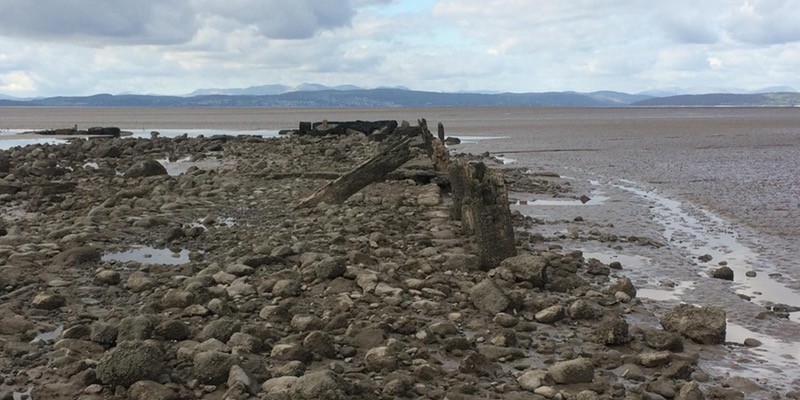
(175,168)
(149,255)
(476,139)
(593,201)
(714,237)
(774,360)
(627,261)
(664,294)
(505,160)
(46,337)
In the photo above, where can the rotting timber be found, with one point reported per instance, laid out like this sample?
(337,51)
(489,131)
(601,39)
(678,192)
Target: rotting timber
(480,199)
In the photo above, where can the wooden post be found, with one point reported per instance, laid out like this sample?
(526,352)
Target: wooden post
(480,201)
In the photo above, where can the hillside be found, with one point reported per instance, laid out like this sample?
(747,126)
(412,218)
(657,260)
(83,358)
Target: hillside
(781,99)
(341,97)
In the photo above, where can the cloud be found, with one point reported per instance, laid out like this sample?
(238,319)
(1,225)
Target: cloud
(278,19)
(17,82)
(99,21)
(765,22)
(691,26)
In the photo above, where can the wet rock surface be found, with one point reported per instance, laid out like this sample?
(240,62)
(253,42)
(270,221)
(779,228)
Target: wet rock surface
(381,296)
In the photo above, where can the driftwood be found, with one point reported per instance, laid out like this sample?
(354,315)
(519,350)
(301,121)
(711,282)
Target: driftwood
(373,170)
(480,201)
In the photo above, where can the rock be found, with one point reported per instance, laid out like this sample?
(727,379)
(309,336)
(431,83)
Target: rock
(239,378)
(678,370)
(662,340)
(690,391)
(279,386)
(320,343)
(580,370)
(329,268)
(581,309)
(289,352)
(213,367)
(705,258)
(221,329)
(662,387)
(532,380)
(103,333)
(654,359)
(380,359)
(48,301)
(488,297)
(527,267)
(107,277)
(613,331)
(551,314)
(725,273)
(149,390)
(704,325)
(478,364)
(751,342)
(177,299)
(77,256)
(291,368)
(306,323)
(139,282)
(287,288)
(129,362)
(144,168)
(624,285)
(321,385)
(462,262)
(173,330)
(139,327)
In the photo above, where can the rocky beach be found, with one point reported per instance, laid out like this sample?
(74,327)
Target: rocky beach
(188,268)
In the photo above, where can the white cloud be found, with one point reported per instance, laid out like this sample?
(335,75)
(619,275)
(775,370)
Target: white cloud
(17,83)
(177,46)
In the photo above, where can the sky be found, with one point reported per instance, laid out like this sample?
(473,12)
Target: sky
(83,47)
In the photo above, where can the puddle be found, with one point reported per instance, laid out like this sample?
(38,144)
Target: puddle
(627,261)
(47,337)
(476,139)
(774,361)
(665,294)
(593,201)
(505,160)
(149,255)
(705,233)
(175,168)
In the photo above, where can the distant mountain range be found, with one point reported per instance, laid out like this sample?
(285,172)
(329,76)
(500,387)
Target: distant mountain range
(311,95)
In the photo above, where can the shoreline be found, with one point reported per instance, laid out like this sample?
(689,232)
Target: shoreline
(373,295)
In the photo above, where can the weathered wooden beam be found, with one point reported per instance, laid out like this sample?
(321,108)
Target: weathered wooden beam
(374,170)
(480,201)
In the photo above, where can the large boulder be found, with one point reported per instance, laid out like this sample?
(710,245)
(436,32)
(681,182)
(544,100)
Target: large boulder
(322,385)
(489,297)
(145,168)
(213,367)
(527,267)
(580,370)
(129,362)
(704,325)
